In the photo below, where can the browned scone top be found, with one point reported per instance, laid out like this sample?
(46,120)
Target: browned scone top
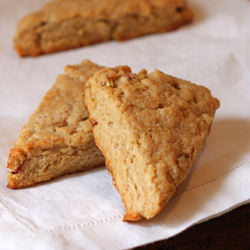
(57,139)
(66,24)
(150,128)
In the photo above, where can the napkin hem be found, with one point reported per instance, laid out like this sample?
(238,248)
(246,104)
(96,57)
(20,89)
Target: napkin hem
(107,220)
(22,221)
(219,176)
(181,230)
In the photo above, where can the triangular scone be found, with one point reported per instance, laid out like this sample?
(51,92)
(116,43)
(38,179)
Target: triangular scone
(67,24)
(57,139)
(150,128)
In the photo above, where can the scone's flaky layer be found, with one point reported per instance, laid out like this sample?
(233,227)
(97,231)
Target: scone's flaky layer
(66,24)
(150,128)
(57,139)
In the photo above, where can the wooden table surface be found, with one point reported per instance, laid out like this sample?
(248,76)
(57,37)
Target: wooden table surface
(229,231)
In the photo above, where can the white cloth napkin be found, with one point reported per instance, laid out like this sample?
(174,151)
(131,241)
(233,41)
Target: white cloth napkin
(84,211)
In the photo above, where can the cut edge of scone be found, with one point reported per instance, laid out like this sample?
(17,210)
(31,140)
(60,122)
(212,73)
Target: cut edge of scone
(151,129)
(57,140)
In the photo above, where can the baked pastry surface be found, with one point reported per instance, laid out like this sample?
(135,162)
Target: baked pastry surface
(57,139)
(151,128)
(66,24)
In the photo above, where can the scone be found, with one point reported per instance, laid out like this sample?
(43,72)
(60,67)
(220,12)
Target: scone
(66,24)
(57,139)
(150,128)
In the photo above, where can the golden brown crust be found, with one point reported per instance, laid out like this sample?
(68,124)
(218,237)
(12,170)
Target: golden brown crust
(132,217)
(57,139)
(67,24)
(150,128)
(16,159)
(37,51)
